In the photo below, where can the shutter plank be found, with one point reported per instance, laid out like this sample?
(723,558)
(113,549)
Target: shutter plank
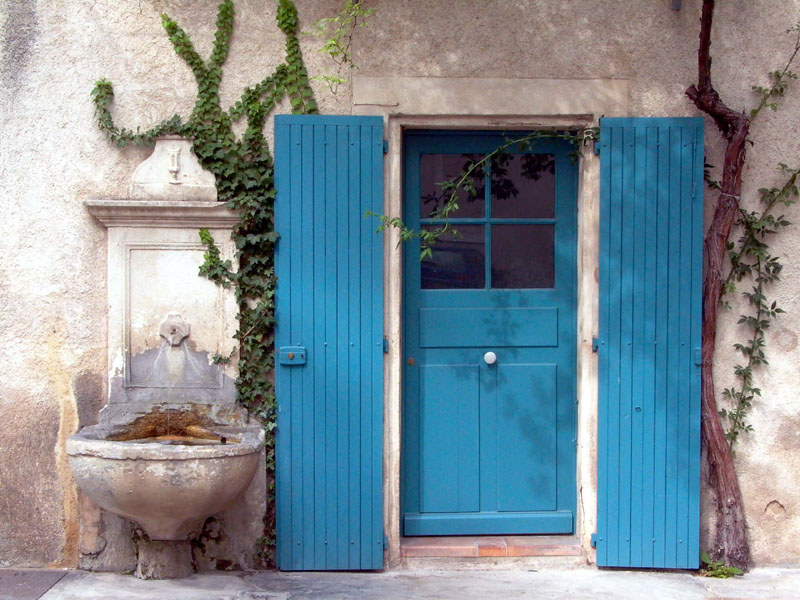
(649,347)
(343,276)
(320,392)
(331,311)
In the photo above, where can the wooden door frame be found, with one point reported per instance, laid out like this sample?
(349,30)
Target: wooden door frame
(519,103)
(588,198)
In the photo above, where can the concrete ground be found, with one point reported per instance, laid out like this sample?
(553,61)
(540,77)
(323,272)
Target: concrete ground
(772,584)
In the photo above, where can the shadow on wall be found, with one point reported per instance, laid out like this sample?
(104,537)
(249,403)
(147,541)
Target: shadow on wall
(19,38)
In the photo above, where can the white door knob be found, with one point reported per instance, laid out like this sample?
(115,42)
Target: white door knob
(490,358)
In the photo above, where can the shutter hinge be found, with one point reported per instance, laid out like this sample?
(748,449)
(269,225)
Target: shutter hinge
(385,346)
(386,146)
(595,344)
(596,144)
(594,540)
(698,357)
(385,542)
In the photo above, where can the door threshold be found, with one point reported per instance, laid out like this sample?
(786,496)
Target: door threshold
(478,546)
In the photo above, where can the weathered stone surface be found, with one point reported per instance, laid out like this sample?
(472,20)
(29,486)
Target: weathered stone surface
(241,526)
(167,489)
(172,172)
(106,543)
(30,502)
(154,254)
(163,559)
(512,96)
(519,582)
(89,390)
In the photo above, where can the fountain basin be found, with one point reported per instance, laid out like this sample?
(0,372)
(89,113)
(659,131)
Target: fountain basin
(168,485)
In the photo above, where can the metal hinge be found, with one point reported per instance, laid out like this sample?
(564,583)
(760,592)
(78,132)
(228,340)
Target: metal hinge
(386,146)
(594,540)
(385,346)
(595,344)
(698,357)
(385,542)
(596,144)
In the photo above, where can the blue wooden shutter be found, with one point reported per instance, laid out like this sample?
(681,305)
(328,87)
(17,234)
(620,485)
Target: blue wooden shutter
(651,216)
(329,342)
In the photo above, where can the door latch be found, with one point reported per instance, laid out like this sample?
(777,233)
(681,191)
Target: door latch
(292,355)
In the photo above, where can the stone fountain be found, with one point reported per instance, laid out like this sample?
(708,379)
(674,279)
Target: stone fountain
(172,475)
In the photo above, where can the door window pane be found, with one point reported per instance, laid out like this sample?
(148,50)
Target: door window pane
(457,262)
(440,168)
(523,186)
(523,256)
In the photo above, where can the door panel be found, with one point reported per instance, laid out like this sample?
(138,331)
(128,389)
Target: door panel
(489,448)
(477,327)
(526,426)
(450,437)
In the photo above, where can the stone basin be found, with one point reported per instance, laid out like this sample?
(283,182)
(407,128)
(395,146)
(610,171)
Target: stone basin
(168,485)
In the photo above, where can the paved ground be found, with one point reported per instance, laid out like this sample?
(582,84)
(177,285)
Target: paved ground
(572,584)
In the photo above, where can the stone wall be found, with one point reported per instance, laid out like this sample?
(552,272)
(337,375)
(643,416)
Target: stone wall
(52,158)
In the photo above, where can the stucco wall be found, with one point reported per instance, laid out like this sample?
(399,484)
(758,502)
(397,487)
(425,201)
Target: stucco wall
(52,158)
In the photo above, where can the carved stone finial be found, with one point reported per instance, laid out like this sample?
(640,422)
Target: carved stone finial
(174,329)
(172,172)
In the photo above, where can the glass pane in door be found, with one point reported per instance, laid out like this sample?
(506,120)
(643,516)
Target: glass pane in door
(523,186)
(436,169)
(457,261)
(523,256)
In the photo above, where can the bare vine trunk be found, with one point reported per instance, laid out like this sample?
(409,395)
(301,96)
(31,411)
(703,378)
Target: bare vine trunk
(731,528)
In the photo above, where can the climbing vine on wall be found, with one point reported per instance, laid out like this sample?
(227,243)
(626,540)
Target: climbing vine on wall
(751,259)
(337,33)
(243,168)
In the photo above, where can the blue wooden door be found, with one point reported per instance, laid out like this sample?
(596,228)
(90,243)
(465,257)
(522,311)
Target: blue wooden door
(650,312)
(329,343)
(489,448)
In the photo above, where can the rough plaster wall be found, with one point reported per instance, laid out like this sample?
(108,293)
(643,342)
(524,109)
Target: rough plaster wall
(52,359)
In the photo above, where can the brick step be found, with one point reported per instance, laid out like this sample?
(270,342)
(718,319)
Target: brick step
(494,546)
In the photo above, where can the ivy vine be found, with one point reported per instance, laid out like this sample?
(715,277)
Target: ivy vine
(244,172)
